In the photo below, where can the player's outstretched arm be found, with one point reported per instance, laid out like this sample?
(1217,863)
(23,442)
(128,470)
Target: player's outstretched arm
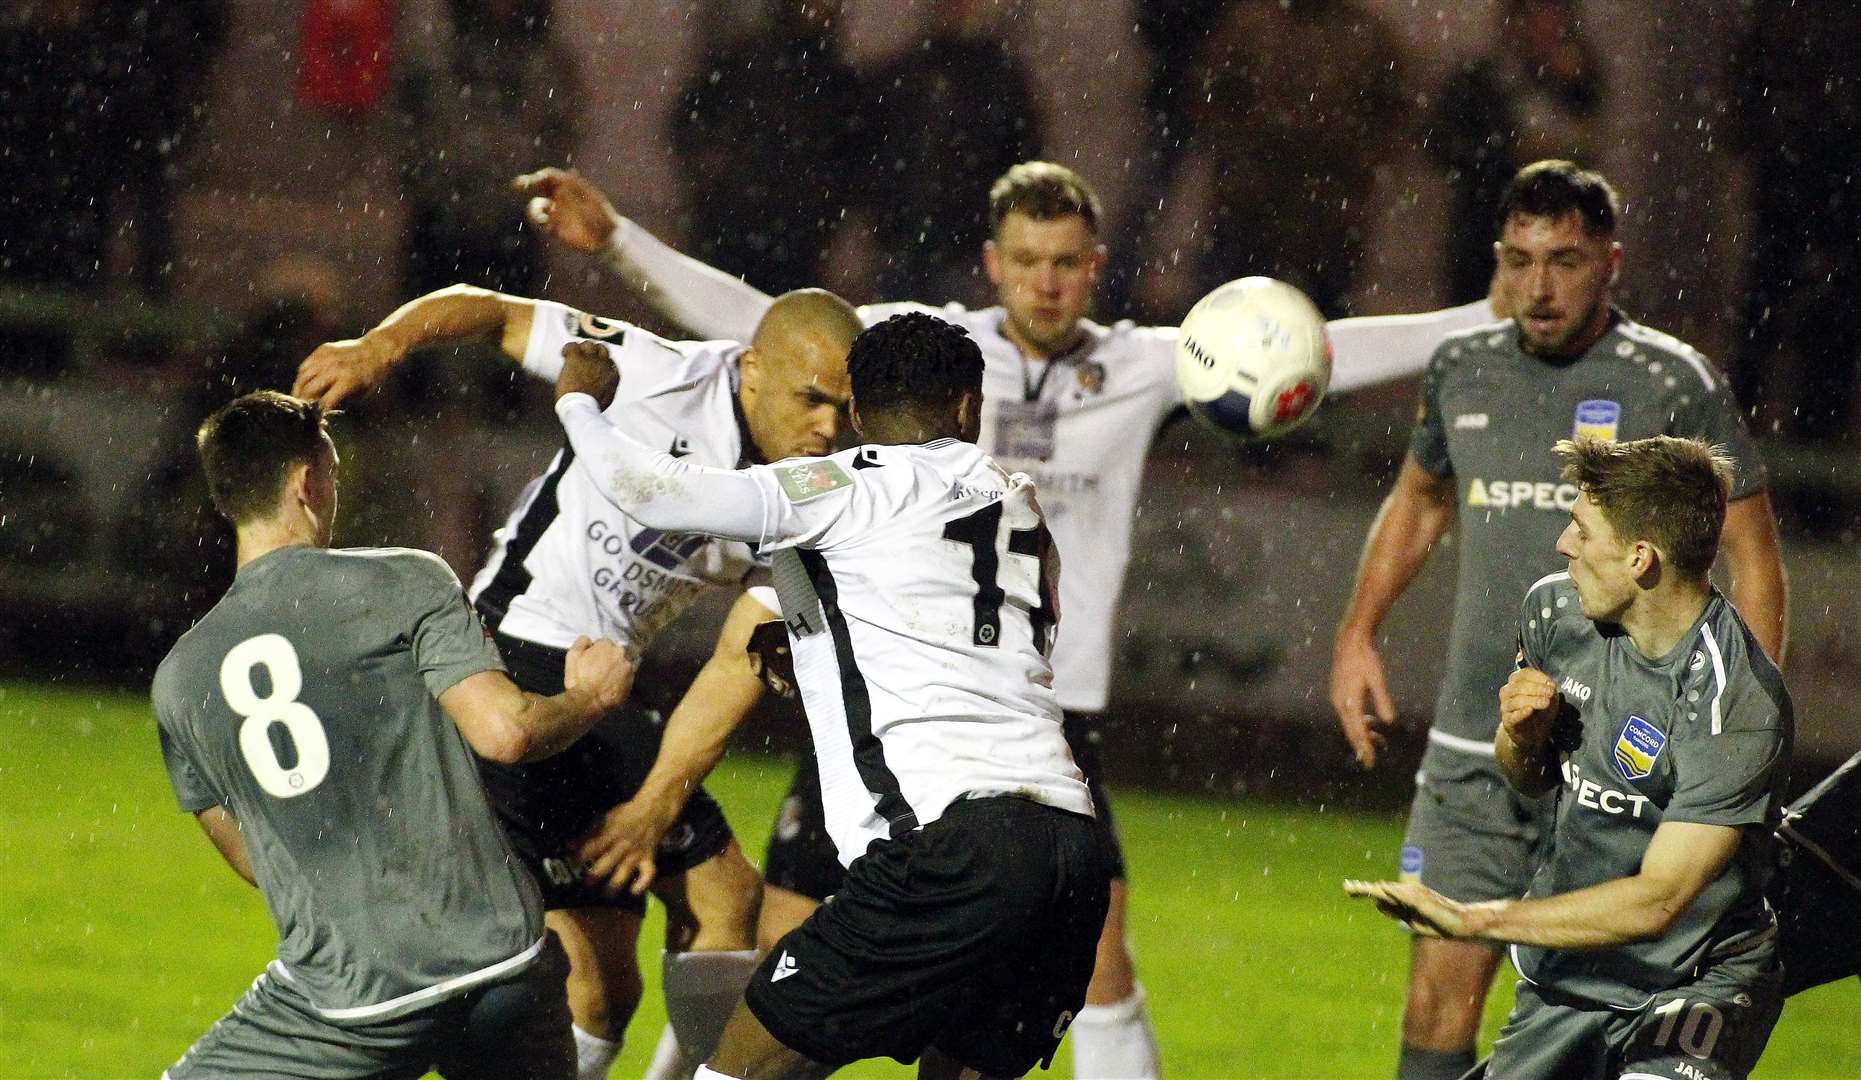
(650,486)
(1754,557)
(1683,857)
(340,370)
(621,849)
(507,724)
(701,298)
(1414,516)
(222,828)
(1368,350)
(1527,708)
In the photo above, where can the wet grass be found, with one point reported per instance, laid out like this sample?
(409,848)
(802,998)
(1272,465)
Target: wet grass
(123,936)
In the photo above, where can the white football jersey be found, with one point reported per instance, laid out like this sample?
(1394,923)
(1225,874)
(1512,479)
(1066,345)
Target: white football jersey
(567,562)
(1080,425)
(918,583)
(1105,400)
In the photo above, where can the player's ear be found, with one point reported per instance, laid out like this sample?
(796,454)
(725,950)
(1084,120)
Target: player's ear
(1615,263)
(992,261)
(852,415)
(969,415)
(750,372)
(1645,561)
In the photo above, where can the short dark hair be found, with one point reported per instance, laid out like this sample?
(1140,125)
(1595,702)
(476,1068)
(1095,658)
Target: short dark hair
(250,443)
(1553,188)
(1669,490)
(1043,191)
(913,362)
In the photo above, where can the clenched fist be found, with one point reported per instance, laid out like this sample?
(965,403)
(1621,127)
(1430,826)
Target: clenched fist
(1527,707)
(588,369)
(567,207)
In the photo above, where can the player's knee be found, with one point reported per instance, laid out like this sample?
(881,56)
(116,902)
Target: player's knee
(604,993)
(716,907)
(782,911)
(1441,1015)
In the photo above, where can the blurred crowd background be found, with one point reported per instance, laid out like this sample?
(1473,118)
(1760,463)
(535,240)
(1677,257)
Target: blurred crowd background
(196,192)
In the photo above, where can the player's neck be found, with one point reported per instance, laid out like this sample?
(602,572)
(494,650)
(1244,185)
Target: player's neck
(899,429)
(260,538)
(1035,351)
(1660,617)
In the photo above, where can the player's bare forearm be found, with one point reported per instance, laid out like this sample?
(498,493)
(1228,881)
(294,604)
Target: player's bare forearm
(1528,705)
(1682,859)
(1532,770)
(695,735)
(339,370)
(222,828)
(621,849)
(1754,559)
(459,313)
(715,705)
(1412,518)
(510,725)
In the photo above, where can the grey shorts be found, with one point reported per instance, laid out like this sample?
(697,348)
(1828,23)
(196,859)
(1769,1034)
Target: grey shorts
(1713,1028)
(515,1027)
(1470,836)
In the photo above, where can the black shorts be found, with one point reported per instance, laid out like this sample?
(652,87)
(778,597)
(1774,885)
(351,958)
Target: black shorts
(801,856)
(546,806)
(1816,888)
(975,935)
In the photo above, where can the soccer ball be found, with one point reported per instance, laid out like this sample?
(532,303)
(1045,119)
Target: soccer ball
(1252,358)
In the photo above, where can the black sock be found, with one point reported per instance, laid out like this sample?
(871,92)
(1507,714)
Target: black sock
(1418,1064)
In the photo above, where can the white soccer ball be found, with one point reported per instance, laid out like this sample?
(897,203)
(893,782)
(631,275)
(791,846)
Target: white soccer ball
(1253,359)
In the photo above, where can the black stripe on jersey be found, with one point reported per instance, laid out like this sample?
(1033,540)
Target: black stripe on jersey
(512,579)
(868,755)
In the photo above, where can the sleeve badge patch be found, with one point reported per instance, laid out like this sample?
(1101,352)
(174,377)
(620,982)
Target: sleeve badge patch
(811,479)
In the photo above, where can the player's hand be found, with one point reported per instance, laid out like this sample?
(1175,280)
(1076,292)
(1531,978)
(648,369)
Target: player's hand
(567,207)
(599,671)
(620,851)
(588,369)
(339,370)
(770,659)
(1528,707)
(1360,697)
(1422,909)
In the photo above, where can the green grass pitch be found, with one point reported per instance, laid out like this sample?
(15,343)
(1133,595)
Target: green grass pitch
(122,936)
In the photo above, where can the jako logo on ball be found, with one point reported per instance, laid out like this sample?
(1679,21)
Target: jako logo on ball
(1252,358)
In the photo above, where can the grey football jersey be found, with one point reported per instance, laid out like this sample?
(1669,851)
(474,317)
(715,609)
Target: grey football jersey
(1702,735)
(305,703)
(1490,414)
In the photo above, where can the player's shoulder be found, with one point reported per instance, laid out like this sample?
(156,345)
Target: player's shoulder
(381,566)
(1730,684)
(1551,621)
(1670,363)
(1487,341)
(804,480)
(665,360)
(1550,600)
